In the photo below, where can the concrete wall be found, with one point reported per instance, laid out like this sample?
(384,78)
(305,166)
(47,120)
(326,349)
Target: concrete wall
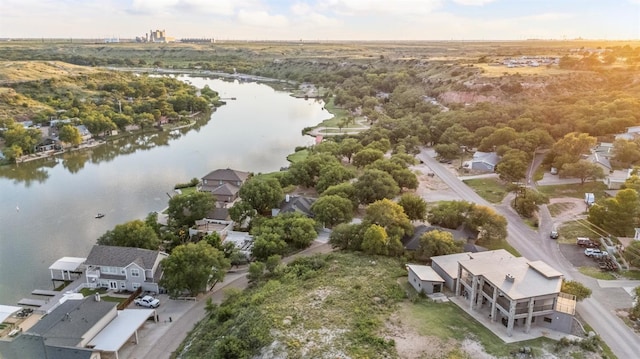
(449,282)
(423,286)
(561,322)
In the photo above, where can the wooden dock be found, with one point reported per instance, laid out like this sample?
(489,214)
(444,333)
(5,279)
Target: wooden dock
(45,292)
(32,302)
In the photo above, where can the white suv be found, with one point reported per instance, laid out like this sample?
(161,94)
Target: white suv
(594,252)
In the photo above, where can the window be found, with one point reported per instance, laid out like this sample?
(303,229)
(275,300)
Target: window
(135,286)
(135,272)
(548,320)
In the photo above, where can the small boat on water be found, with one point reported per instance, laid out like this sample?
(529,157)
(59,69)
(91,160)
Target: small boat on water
(99,215)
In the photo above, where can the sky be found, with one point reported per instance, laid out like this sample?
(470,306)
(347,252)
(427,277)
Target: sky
(324,20)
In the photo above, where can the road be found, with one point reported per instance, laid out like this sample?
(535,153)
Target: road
(177,332)
(536,246)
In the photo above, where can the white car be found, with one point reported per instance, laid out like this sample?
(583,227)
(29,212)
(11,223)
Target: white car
(147,301)
(594,252)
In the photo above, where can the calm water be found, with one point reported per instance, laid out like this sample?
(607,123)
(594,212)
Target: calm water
(58,199)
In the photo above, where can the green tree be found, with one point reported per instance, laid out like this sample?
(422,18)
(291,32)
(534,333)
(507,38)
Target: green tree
(307,172)
(375,240)
(192,267)
(333,175)
(414,206)
(513,166)
(617,215)
(374,185)
(489,225)
(450,214)
(241,211)
(348,147)
(575,288)
(332,210)
(437,243)
(70,134)
(348,236)
(344,190)
(366,157)
(281,234)
(583,169)
(185,209)
(390,216)
(256,271)
(626,152)
(447,151)
(570,147)
(528,200)
(136,234)
(262,194)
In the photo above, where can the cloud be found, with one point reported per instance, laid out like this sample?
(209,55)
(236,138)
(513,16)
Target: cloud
(303,13)
(219,7)
(380,7)
(473,2)
(261,19)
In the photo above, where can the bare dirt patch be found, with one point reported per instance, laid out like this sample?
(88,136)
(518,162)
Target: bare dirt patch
(432,188)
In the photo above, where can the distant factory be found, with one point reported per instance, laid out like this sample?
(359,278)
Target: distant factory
(155,36)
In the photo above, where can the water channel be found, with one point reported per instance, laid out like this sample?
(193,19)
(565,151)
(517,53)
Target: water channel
(47,207)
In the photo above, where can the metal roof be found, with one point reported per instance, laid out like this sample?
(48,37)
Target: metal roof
(116,334)
(6,311)
(67,263)
(425,273)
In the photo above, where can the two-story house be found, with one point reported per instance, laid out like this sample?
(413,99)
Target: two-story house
(124,268)
(223,184)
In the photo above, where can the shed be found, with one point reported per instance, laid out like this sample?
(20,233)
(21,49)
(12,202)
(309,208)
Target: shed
(64,267)
(424,279)
(484,161)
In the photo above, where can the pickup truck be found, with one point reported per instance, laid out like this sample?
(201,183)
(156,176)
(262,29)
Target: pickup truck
(147,301)
(594,253)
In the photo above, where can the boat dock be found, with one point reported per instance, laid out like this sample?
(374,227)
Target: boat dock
(32,302)
(45,292)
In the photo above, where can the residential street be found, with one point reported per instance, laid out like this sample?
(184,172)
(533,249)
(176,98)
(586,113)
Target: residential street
(597,311)
(162,347)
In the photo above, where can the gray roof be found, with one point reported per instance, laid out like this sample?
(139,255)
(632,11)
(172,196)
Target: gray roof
(597,158)
(225,189)
(113,256)
(298,204)
(71,320)
(34,346)
(226,175)
(425,273)
(490,158)
(219,213)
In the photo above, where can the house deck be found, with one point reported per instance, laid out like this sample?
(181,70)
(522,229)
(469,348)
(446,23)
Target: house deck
(32,302)
(45,292)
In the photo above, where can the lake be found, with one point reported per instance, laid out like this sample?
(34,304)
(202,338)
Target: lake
(47,207)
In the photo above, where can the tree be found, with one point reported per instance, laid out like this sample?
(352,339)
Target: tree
(405,178)
(344,190)
(281,234)
(414,206)
(136,234)
(333,175)
(262,193)
(367,156)
(241,211)
(489,225)
(375,240)
(447,151)
(570,147)
(348,236)
(632,254)
(626,152)
(185,209)
(307,172)
(390,216)
(583,170)
(575,288)
(617,215)
(192,267)
(331,210)
(513,166)
(348,147)
(450,214)
(374,185)
(70,134)
(528,200)
(437,243)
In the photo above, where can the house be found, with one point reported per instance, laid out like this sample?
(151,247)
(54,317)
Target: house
(208,226)
(48,144)
(223,184)
(84,132)
(617,178)
(79,328)
(484,161)
(636,237)
(600,160)
(124,268)
(632,133)
(424,279)
(518,292)
(295,204)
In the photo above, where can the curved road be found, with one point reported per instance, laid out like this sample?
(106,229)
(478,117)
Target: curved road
(537,246)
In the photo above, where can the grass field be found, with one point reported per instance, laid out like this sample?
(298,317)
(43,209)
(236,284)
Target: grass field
(574,190)
(574,229)
(491,189)
(596,273)
(298,156)
(557,208)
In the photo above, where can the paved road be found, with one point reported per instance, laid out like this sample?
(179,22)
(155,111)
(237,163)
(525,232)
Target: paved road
(536,246)
(176,333)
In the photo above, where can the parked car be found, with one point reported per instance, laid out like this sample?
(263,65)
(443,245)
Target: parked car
(147,301)
(554,235)
(554,171)
(594,252)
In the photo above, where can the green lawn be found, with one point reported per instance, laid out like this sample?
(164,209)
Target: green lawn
(298,156)
(491,189)
(596,273)
(569,231)
(574,190)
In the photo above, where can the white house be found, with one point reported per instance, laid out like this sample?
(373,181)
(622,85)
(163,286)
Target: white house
(424,279)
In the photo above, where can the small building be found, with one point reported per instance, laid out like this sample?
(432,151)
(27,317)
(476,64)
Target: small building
(484,161)
(601,161)
(617,178)
(424,279)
